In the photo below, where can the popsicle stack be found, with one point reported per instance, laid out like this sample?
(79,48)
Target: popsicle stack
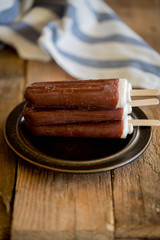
(84,108)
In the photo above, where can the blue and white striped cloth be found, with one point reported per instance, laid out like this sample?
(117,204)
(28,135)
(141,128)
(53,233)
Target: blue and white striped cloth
(85,37)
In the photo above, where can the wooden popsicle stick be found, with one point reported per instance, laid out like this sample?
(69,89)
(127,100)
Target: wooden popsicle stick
(144,122)
(145,92)
(144,102)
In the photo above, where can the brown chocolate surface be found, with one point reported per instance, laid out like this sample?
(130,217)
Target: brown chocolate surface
(46,116)
(108,129)
(74,94)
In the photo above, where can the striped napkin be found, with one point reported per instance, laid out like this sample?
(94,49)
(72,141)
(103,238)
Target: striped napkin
(85,37)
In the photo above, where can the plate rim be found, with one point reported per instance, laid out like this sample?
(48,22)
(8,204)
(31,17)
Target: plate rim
(106,168)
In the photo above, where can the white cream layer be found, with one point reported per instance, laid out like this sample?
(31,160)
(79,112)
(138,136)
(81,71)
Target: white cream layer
(124,89)
(126,110)
(127,128)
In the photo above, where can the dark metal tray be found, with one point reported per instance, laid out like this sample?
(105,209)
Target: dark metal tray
(78,155)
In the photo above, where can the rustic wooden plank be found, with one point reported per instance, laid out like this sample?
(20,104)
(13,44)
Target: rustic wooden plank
(136,191)
(136,186)
(39,71)
(142,16)
(52,205)
(11,85)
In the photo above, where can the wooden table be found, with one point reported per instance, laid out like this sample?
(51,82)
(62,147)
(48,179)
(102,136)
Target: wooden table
(39,204)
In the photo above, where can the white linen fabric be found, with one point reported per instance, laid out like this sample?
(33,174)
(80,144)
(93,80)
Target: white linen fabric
(85,37)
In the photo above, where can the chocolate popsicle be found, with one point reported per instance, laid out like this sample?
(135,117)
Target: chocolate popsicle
(108,129)
(47,116)
(103,93)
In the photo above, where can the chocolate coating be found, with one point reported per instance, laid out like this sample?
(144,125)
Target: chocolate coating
(74,94)
(108,129)
(47,116)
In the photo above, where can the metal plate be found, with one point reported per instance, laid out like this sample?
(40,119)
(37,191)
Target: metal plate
(78,155)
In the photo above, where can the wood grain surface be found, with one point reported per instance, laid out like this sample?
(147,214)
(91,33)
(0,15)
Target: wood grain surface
(11,92)
(52,205)
(124,203)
